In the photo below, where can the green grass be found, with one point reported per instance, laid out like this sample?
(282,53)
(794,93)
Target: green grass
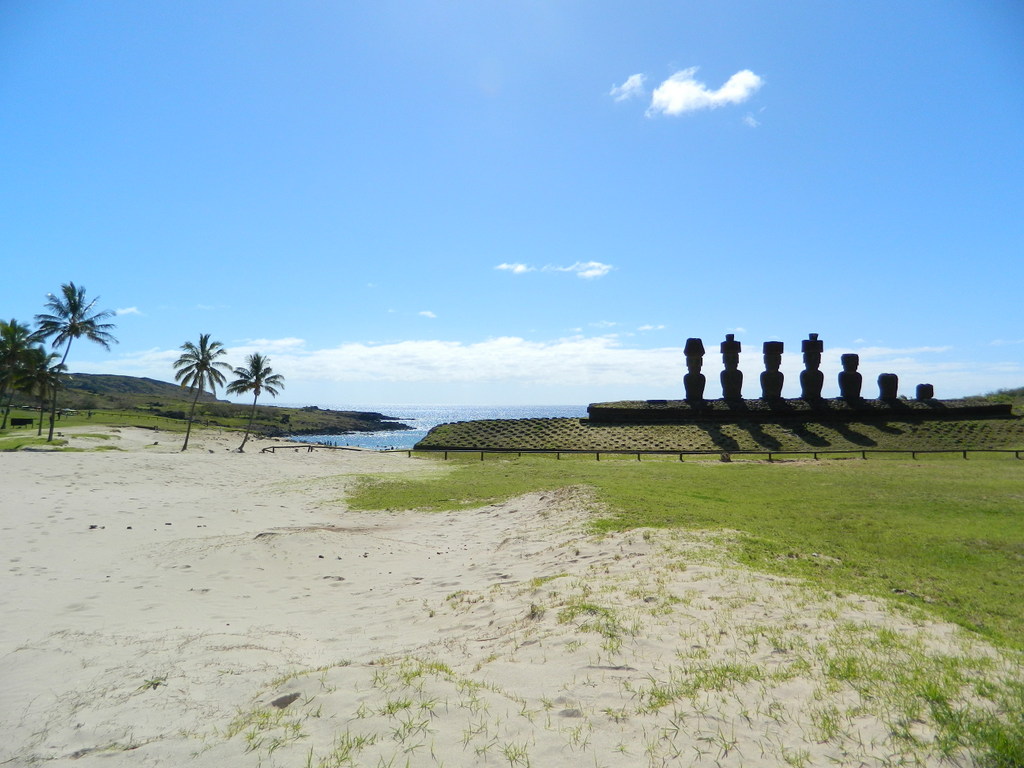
(945,535)
(15,442)
(110,418)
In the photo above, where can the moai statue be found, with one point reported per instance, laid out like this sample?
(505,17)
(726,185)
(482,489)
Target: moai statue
(732,376)
(811,379)
(694,380)
(888,386)
(849,379)
(925,392)
(772,378)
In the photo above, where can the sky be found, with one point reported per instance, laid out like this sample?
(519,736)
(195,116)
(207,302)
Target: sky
(495,202)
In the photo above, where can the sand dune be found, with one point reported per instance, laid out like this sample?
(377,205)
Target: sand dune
(221,609)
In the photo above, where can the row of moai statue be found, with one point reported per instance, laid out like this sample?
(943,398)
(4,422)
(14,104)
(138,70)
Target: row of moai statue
(811,378)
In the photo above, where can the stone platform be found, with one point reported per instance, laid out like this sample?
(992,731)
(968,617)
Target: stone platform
(790,410)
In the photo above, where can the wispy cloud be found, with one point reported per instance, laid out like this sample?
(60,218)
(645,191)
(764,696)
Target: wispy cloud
(127,311)
(587,270)
(634,86)
(516,269)
(268,346)
(1006,342)
(651,328)
(682,93)
(427,313)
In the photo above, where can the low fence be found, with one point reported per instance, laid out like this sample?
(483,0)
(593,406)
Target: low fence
(308,448)
(725,455)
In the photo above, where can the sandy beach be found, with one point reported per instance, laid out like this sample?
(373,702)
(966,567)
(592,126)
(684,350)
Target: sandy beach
(213,608)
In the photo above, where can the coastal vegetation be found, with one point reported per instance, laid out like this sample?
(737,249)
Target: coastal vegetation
(255,376)
(16,339)
(197,369)
(71,317)
(100,399)
(32,381)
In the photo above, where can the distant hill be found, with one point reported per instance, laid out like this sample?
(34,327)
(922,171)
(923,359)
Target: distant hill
(152,398)
(1013,396)
(110,385)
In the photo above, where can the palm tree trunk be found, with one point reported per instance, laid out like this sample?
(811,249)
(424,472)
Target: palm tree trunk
(42,410)
(53,409)
(7,408)
(191,413)
(252,414)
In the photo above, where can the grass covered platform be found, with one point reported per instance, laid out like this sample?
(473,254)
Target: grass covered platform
(716,435)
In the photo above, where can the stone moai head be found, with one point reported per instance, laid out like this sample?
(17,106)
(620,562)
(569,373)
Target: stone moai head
(694,351)
(772,355)
(694,381)
(731,351)
(732,376)
(811,379)
(812,347)
(772,378)
(925,392)
(849,379)
(888,386)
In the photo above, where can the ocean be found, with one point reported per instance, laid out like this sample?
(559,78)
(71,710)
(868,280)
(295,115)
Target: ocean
(423,417)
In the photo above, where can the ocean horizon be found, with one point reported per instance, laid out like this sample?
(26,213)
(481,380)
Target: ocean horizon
(422,418)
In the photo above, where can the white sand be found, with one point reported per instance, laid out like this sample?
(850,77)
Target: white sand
(156,603)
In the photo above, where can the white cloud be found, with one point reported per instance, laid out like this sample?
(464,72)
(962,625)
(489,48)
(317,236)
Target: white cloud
(651,328)
(1005,342)
(427,313)
(752,121)
(512,369)
(598,360)
(516,269)
(585,269)
(682,93)
(634,86)
(127,311)
(268,346)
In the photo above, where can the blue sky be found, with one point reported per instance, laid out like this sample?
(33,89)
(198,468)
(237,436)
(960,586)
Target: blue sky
(521,202)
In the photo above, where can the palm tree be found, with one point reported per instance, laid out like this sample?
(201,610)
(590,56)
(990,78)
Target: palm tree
(41,377)
(70,318)
(255,377)
(198,368)
(16,339)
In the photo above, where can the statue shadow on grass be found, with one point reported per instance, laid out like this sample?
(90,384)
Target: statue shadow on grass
(719,439)
(853,436)
(762,438)
(890,430)
(809,437)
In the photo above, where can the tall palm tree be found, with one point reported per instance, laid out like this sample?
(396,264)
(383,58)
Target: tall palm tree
(256,376)
(198,368)
(16,339)
(70,317)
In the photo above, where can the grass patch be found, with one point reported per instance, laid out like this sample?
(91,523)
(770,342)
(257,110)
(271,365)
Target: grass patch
(19,442)
(945,535)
